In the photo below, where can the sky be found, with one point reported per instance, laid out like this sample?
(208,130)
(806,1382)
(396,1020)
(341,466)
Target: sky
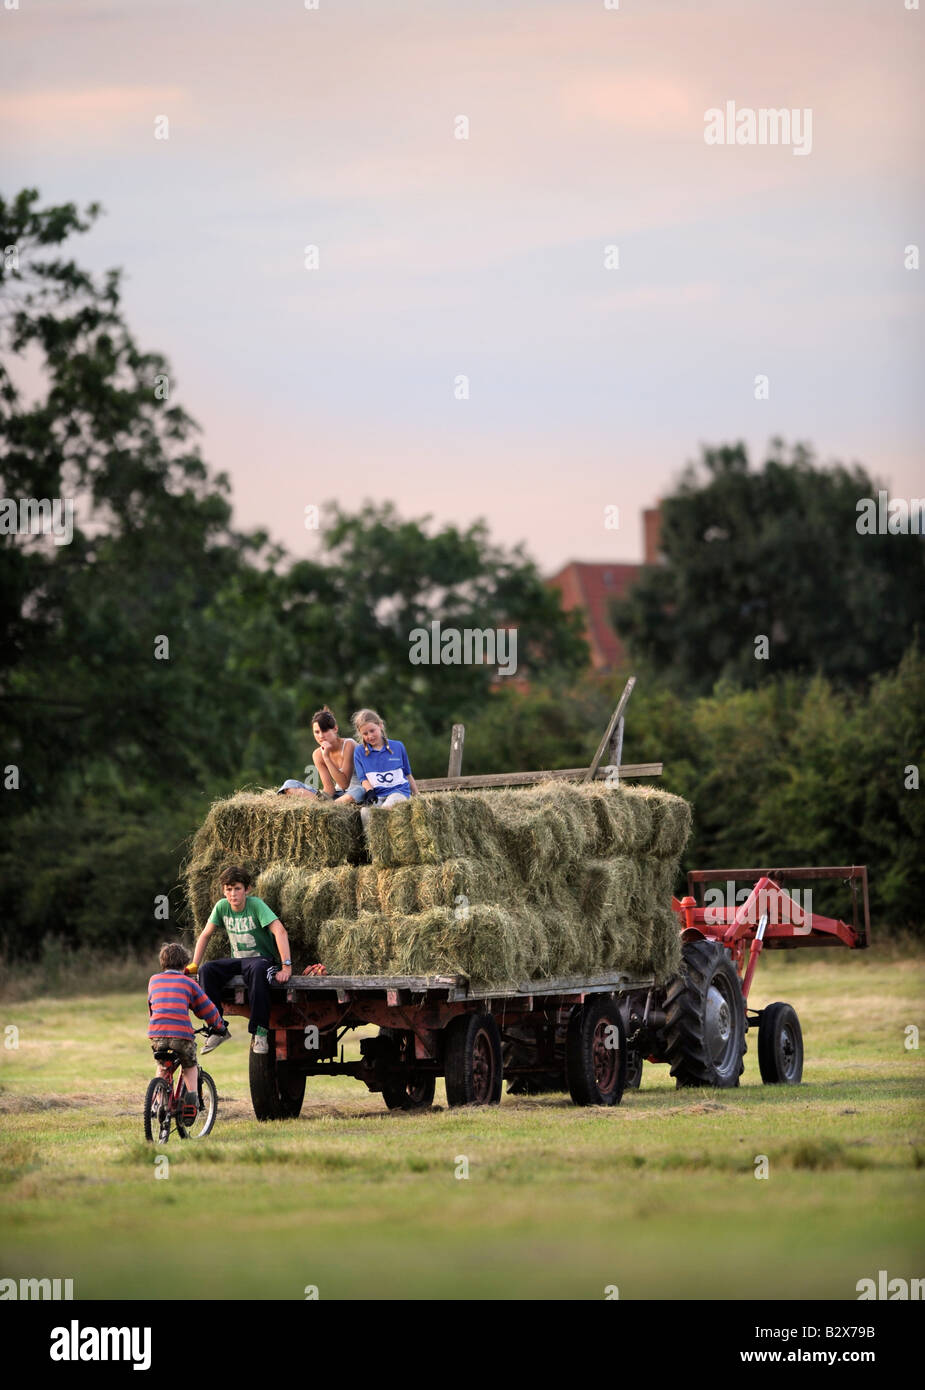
(588,385)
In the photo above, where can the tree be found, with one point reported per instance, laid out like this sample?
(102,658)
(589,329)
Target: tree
(773,553)
(108,661)
(357,621)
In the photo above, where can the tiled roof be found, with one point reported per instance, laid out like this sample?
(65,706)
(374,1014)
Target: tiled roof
(590,586)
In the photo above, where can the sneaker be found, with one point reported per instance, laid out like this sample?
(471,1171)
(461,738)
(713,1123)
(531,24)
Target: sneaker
(259,1044)
(215,1040)
(189,1110)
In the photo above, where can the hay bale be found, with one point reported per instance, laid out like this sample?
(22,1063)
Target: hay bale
(638,820)
(390,835)
(359,945)
(458,883)
(607,888)
(479,944)
(453,884)
(536,829)
(493,944)
(671,825)
(437,820)
(624,819)
(398,890)
(203,890)
(309,899)
(664,953)
(264,829)
(367,888)
(665,879)
(271,886)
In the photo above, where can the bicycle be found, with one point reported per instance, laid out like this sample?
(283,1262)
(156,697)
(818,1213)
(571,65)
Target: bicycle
(162,1102)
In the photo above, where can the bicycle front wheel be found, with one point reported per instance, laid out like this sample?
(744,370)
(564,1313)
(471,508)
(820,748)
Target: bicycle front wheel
(157,1110)
(208,1107)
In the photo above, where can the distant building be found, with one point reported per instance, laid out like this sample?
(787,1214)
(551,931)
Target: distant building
(591,585)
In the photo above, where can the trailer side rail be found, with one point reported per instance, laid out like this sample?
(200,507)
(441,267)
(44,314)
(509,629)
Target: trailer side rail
(402,989)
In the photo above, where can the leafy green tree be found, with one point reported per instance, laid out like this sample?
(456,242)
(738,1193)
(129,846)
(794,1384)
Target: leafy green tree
(350,618)
(108,655)
(773,552)
(801,772)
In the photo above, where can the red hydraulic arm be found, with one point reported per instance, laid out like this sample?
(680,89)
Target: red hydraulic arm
(769,916)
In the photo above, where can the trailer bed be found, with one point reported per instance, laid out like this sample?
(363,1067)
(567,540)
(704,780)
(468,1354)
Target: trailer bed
(452,988)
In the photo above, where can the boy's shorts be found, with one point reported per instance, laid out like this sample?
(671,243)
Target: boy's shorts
(185,1048)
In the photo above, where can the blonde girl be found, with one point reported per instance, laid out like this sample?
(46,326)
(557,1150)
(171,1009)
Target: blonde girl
(381,763)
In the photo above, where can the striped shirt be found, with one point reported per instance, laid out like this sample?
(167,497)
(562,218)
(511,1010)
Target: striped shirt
(171,995)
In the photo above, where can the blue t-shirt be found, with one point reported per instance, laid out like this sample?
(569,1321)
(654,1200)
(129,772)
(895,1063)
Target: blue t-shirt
(386,769)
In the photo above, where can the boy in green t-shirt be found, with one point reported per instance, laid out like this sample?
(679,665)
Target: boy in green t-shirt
(258,941)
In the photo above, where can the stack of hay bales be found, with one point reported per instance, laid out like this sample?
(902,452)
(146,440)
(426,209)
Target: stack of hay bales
(500,886)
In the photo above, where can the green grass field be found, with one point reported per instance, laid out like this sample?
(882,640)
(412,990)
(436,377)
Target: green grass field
(657,1196)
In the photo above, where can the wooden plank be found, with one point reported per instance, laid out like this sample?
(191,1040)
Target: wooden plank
(615,751)
(523,779)
(568,984)
(608,732)
(455,985)
(418,984)
(457,740)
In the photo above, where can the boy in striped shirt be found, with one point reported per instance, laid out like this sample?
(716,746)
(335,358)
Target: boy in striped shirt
(171,995)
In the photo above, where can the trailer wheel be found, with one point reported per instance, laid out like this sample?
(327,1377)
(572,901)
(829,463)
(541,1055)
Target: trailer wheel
(277,1088)
(705,1018)
(414,1094)
(595,1053)
(520,1049)
(633,1070)
(780,1046)
(417,1094)
(472,1060)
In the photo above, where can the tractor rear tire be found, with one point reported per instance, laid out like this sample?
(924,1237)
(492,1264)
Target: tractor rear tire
(472,1060)
(595,1053)
(780,1046)
(704,1029)
(277,1088)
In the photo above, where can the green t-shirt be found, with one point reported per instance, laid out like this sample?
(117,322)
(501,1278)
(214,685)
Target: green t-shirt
(247,929)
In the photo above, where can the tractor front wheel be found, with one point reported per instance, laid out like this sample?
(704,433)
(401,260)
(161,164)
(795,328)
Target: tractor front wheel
(704,1030)
(780,1046)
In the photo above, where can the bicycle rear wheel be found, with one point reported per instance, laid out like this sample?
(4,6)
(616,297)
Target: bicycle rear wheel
(157,1110)
(208,1107)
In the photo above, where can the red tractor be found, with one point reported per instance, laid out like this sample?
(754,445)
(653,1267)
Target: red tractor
(697,1024)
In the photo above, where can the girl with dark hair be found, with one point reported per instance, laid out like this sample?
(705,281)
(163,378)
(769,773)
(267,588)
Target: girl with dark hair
(334,759)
